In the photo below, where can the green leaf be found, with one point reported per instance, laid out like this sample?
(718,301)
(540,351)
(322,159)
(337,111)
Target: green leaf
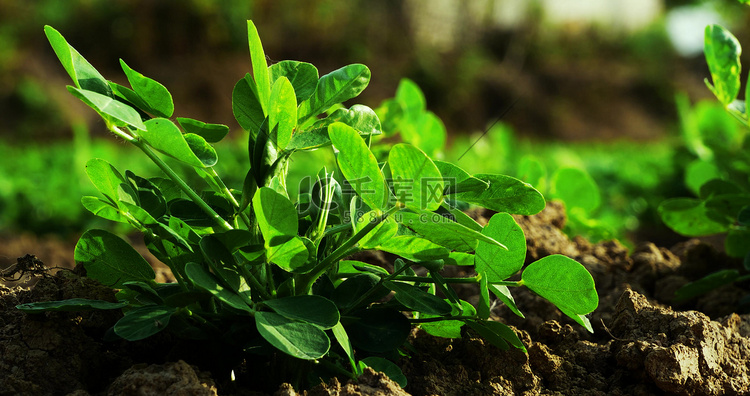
(457,180)
(505,194)
(426,132)
(110,109)
(362,118)
(144,322)
(303,76)
(212,133)
(410,97)
(506,333)
(503,294)
(84,75)
(448,328)
(348,292)
(110,182)
(282,112)
(358,165)
(484,305)
(380,234)
(163,135)
(414,248)
(207,281)
(349,268)
(298,339)
(315,310)
(73,304)
(388,368)
(246,105)
(335,87)
(488,334)
(706,284)
(378,330)
(564,282)
(700,172)
(722,52)
(343,339)
(576,188)
(155,95)
(292,255)
(260,66)
(443,231)
(277,217)
(110,260)
(496,262)
(531,170)
(737,243)
(417,182)
(417,299)
(689,217)
(103,209)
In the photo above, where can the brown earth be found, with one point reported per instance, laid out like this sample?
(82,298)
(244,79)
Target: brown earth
(643,343)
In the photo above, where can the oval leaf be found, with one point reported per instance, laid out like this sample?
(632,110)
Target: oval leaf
(212,133)
(79,69)
(505,194)
(564,282)
(418,300)
(414,248)
(144,322)
(359,166)
(298,339)
(444,232)
(282,112)
(110,260)
(496,262)
(110,109)
(302,75)
(73,304)
(335,87)
(155,95)
(417,182)
(163,135)
(316,310)
(722,52)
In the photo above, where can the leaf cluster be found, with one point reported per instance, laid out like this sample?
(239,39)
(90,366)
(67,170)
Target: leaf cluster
(267,273)
(719,173)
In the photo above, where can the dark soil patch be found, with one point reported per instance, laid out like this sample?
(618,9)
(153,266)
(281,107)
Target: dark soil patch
(643,343)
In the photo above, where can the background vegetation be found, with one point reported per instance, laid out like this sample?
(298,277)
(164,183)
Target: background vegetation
(584,92)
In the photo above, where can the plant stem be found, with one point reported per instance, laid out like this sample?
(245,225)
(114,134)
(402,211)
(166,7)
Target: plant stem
(174,176)
(211,172)
(306,280)
(454,280)
(441,318)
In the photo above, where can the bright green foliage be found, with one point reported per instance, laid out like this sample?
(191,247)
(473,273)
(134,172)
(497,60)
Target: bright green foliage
(719,173)
(259,268)
(723,57)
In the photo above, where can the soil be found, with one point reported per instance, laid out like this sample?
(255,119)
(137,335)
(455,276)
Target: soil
(644,343)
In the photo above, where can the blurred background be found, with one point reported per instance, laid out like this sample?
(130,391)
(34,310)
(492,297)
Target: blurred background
(593,85)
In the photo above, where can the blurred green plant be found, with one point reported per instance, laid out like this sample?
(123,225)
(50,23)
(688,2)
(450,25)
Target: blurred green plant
(263,274)
(719,173)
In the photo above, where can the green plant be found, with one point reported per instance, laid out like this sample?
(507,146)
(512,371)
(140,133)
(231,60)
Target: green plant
(264,274)
(719,174)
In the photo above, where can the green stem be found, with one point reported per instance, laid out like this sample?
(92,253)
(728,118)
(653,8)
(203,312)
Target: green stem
(306,281)
(175,177)
(253,281)
(367,294)
(224,190)
(455,280)
(441,318)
